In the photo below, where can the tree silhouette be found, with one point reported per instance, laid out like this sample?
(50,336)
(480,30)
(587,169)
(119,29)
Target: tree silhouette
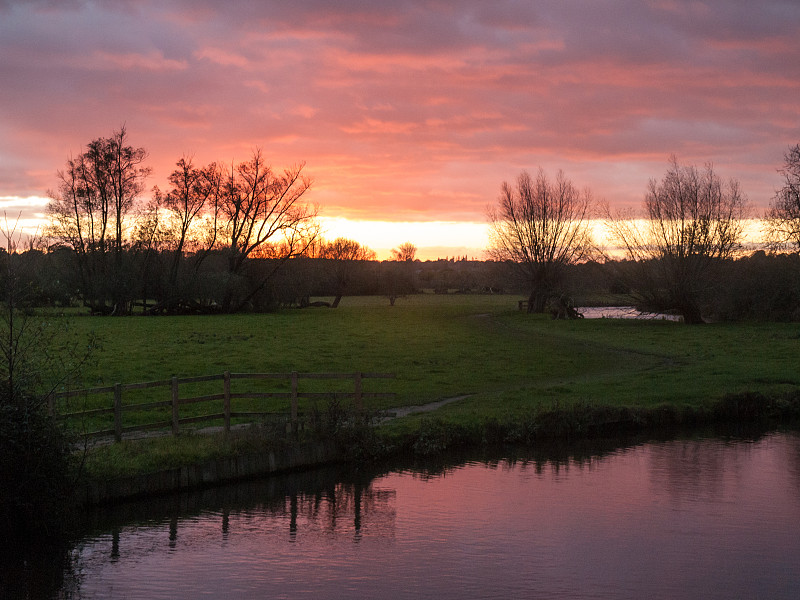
(405,252)
(343,254)
(540,226)
(264,217)
(783,217)
(89,211)
(693,221)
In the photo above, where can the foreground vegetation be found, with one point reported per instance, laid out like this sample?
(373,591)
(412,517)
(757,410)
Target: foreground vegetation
(516,370)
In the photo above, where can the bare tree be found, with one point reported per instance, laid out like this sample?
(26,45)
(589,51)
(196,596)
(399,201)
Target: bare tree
(541,226)
(397,274)
(404,252)
(145,250)
(693,221)
(783,217)
(190,226)
(194,192)
(343,254)
(88,212)
(265,218)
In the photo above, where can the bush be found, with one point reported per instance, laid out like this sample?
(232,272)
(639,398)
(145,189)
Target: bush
(35,471)
(35,452)
(350,429)
(760,287)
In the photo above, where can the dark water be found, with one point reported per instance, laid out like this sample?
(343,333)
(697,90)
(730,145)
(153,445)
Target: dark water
(680,519)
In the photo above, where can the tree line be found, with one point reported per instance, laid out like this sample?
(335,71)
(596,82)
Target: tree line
(232,213)
(215,241)
(233,237)
(675,252)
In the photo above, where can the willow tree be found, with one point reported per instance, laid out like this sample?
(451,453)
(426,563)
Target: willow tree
(540,226)
(693,221)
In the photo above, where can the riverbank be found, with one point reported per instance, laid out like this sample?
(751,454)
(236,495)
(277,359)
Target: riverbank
(358,440)
(205,473)
(209,456)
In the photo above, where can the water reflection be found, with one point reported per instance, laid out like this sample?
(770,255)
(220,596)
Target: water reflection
(324,503)
(624,312)
(705,518)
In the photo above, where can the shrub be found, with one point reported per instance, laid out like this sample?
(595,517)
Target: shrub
(35,471)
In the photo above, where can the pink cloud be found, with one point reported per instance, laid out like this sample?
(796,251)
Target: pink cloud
(221,57)
(410,110)
(151,61)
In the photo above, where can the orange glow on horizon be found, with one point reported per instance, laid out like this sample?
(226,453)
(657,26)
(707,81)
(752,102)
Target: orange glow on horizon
(433,239)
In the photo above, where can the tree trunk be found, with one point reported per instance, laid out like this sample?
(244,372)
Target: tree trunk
(691,315)
(537,301)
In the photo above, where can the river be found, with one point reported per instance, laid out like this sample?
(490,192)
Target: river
(692,518)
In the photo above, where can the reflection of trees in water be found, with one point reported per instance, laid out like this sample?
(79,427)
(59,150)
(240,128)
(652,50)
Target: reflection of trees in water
(324,503)
(336,504)
(549,457)
(332,502)
(793,458)
(344,508)
(694,469)
(691,470)
(687,469)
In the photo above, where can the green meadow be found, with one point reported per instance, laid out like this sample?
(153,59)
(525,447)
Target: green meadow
(442,346)
(507,363)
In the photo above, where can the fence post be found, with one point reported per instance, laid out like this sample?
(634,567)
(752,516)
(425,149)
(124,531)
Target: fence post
(226,402)
(294,401)
(118,412)
(174,405)
(357,396)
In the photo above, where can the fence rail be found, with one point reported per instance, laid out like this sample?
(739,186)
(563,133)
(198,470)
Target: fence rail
(226,396)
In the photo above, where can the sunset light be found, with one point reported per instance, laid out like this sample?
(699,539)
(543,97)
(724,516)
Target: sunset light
(435,239)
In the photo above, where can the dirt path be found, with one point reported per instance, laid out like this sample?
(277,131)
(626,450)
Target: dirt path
(404,411)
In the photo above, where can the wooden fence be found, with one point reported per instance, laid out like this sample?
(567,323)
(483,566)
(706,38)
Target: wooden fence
(226,396)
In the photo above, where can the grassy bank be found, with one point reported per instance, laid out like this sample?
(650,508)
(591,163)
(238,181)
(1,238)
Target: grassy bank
(515,368)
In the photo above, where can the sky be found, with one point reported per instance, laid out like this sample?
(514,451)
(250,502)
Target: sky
(408,115)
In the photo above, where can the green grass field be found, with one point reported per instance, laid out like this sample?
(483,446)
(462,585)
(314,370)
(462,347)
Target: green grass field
(442,346)
(509,364)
